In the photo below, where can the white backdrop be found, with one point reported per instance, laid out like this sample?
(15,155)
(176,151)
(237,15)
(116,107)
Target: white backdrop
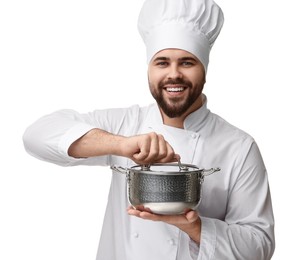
(86,55)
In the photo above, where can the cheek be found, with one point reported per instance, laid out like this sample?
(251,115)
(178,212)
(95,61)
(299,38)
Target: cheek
(197,78)
(155,77)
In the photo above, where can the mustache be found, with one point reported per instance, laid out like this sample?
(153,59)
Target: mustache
(175,82)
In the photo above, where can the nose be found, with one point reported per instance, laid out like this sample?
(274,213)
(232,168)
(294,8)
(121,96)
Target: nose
(174,72)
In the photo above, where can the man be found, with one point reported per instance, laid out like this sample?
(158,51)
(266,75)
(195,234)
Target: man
(234,219)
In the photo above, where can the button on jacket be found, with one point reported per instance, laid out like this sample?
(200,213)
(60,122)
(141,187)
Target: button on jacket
(236,210)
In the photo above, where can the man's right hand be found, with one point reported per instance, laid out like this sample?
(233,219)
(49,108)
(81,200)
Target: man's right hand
(148,148)
(142,149)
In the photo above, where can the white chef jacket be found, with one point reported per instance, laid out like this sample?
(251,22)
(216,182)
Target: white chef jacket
(236,209)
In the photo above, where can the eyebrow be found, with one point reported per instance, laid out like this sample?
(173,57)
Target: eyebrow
(160,58)
(187,58)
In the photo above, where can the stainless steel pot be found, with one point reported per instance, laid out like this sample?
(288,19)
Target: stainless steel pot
(168,188)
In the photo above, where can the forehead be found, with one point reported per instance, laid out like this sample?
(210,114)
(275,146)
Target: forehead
(174,54)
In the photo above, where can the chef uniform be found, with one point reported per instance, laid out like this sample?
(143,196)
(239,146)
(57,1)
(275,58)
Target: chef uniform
(236,211)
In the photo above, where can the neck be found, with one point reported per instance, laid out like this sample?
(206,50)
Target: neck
(178,122)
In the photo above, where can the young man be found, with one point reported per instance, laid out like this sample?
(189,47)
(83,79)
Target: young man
(234,219)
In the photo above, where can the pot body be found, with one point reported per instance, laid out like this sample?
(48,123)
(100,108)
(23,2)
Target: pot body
(165,193)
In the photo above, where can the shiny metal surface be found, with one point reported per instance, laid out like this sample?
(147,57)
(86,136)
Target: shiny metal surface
(165,188)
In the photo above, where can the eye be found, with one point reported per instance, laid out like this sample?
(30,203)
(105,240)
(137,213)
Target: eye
(187,64)
(162,64)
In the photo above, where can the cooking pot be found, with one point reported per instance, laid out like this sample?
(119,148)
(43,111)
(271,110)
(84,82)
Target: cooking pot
(165,188)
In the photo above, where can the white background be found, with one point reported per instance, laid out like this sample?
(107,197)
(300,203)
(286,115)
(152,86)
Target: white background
(86,55)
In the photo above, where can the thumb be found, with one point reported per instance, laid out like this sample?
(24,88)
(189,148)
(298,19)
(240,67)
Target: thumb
(192,216)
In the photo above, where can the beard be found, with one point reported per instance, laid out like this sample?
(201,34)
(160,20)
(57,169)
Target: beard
(176,106)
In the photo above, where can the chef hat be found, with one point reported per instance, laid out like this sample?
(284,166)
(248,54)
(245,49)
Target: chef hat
(190,25)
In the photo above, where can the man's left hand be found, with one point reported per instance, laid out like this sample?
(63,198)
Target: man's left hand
(189,222)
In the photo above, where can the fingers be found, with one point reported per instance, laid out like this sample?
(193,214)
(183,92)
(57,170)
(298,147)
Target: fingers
(153,147)
(182,219)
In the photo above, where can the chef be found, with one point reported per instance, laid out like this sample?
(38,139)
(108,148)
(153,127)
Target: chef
(234,219)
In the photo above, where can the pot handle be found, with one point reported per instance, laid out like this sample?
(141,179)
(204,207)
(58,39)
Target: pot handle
(119,169)
(210,171)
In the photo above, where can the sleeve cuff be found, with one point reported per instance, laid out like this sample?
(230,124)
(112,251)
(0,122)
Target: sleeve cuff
(71,136)
(208,238)
(193,249)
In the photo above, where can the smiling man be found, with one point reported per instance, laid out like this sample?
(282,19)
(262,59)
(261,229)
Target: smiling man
(234,219)
(176,80)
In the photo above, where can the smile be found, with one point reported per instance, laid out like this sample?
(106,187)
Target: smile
(175,89)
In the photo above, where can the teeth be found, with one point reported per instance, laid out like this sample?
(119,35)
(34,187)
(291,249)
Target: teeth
(175,89)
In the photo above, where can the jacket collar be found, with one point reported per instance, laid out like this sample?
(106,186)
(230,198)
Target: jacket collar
(193,122)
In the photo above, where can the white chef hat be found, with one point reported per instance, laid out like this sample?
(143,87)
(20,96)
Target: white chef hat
(190,25)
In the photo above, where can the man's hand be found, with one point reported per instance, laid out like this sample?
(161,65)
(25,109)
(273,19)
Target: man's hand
(142,149)
(148,148)
(188,222)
